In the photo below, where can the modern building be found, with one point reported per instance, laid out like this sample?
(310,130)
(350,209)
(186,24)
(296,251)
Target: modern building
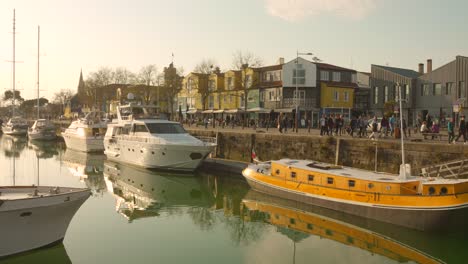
(337,87)
(385,82)
(362,93)
(442,92)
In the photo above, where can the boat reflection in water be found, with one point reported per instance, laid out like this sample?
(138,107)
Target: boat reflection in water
(44,149)
(299,221)
(143,193)
(52,254)
(13,146)
(88,167)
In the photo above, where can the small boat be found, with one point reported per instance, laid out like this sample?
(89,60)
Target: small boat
(86,134)
(140,137)
(16,126)
(423,203)
(36,216)
(42,129)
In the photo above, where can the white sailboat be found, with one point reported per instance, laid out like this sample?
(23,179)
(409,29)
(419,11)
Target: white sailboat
(42,129)
(16,126)
(33,217)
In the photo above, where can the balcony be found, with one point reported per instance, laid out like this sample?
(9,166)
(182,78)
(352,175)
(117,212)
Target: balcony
(303,103)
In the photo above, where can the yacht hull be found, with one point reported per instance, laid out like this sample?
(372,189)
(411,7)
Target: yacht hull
(15,132)
(84,144)
(424,219)
(29,224)
(155,156)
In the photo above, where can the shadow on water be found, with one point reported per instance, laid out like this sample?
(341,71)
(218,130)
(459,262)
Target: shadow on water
(56,254)
(298,221)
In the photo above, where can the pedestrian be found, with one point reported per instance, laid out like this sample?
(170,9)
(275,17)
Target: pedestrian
(461,129)
(205,121)
(337,125)
(384,124)
(435,128)
(424,129)
(375,126)
(353,125)
(391,125)
(330,125)
(323,125)
(450,130)
(280,123)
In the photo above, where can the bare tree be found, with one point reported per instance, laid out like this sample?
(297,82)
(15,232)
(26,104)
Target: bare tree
(122,76)
(148,75)
(62,97)
(242,58)
(205,66)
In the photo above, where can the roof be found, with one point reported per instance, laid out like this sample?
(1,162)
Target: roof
(276,67)
(400,71)
(341,84)
(332,67)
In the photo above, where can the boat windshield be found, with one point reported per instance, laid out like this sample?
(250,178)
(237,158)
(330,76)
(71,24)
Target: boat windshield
(165,128)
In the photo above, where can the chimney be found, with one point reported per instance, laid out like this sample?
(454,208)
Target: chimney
(429,65)
(421,68)
(280,60)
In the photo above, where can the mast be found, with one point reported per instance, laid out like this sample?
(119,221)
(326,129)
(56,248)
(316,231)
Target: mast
(38,38)
(14,36)
(403,177)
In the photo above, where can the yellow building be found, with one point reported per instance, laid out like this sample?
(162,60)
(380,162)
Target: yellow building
(230,97)
(216,88)
(190,96)
(336,95)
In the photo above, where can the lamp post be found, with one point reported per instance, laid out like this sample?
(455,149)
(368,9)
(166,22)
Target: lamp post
(296,117)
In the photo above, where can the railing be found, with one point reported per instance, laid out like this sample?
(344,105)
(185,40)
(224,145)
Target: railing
(455,169)
(303,102)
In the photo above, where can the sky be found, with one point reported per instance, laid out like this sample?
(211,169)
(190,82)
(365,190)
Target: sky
(89,34)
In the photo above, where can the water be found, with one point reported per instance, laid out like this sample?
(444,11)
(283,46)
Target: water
(139,216)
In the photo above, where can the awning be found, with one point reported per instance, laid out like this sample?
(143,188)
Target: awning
(259,110)
(210,111)
(234,111)
(193,111)
(284,110)
(218,111)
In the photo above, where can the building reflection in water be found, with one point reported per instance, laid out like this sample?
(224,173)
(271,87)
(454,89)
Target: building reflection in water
(298,224)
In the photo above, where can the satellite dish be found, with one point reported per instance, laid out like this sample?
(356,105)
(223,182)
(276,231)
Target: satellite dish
(130,96)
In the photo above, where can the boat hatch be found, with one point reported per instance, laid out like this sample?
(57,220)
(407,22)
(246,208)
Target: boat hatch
(323,166)
(292,162)
(385,179)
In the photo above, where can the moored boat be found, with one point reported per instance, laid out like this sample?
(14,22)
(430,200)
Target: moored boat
(86,134)
(141,138)
(42,129)
(34,217)
(16,126)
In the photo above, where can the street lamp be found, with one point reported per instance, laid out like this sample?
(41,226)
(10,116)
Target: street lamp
(296,117)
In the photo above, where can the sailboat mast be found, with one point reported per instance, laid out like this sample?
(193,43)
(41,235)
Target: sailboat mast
(38,38)
(401,133)
(14,81)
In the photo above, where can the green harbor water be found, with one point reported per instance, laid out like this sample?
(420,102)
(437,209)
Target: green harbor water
(140,216)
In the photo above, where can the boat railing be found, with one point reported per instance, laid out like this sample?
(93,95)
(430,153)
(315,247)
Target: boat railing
(209,140)
(455,169)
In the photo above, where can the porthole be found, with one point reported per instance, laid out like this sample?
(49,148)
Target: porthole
(330,180)
(370,185)
(292,221)
(310,226)
(351,183)
(277,172)
(293,174)
(443,190)
(431,190)
(311,177)
(388,187)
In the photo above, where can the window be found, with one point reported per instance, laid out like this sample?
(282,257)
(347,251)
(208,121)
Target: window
(165,128)
(337,76)
(351,183)
(230,83)
(211,102)
(262,96)
(211,85)
(346,96)
(301,94)
(385,99)
(376,95)
(311,177)
(293,174)
(353,78)
(298,75)
(461,90)
(248,81)
(324,76)
(395,93)
(426,89)
(449,89)
(190,84)
(330,180)
(437,89)
(336,96)
(140,128)
(407,92)
(242,101)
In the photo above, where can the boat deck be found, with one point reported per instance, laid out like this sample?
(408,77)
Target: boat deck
(16,193)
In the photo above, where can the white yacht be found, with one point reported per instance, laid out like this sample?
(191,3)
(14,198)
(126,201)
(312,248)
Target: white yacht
(42,129)
(34,217)
(86,134)
(16,126)
(140,138)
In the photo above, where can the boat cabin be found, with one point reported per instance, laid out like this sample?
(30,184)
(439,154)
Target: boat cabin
(138,112)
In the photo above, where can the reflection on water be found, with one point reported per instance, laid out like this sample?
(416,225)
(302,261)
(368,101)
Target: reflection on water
(137,215)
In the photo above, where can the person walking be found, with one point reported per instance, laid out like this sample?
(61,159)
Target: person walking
(375,126)
(280,123)
(323,125)
(391,125)
(330,125)
(461,129)
(384,124)
(353,125)
(450,130)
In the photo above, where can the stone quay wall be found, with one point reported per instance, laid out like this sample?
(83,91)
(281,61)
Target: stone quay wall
(357,153)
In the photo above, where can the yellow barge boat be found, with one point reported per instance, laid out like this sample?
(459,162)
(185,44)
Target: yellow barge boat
(416,202)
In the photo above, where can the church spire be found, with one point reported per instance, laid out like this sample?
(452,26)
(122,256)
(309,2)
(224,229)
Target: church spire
(81,84)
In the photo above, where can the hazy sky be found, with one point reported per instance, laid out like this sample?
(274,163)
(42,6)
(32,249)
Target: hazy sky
(351,33)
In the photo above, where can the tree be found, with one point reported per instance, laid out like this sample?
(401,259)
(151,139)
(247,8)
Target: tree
(122,76)
(148,75)
(205,66)
(8,97)
(62,97)
(203,69)
(241,58)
